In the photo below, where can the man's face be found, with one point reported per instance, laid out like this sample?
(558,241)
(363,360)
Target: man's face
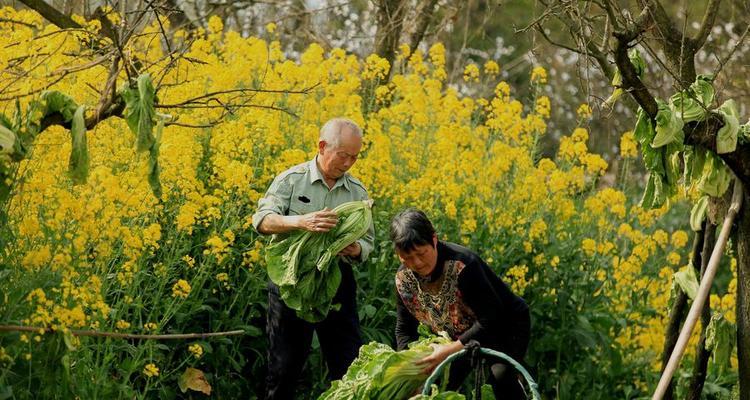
(335,161)
(422,259)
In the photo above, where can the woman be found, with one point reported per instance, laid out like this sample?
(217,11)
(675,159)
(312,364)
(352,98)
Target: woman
(449,288)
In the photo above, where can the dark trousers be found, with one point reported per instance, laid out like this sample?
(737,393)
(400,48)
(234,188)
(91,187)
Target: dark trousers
(290,338)
(502,377)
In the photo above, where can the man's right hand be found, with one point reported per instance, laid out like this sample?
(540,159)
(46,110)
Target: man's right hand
(318,221)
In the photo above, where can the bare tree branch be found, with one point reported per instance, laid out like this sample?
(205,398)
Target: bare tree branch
(709,18)
(425,12)
(51,14)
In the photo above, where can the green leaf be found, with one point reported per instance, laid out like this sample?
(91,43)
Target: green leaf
(687,281)
(726,137)
(715,176)
(720,340)
(648,196)
(140,111)
(78,164)
(57,102)
(379,372)
(301,263)
(668,127)
(698,213)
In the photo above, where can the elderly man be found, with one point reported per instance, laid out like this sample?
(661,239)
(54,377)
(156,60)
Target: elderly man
(302,198)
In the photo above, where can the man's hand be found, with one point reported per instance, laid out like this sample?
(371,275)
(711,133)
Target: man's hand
(318,221)
(440,353)
(353,250)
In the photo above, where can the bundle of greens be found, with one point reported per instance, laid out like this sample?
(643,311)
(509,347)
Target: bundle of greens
(435,394)
(662,145)
(382,373)
(303,263)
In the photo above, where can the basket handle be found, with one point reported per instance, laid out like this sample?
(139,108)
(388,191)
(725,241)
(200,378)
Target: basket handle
(533,387)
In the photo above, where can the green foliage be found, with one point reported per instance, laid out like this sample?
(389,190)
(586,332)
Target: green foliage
(300,263)
(141,116)
(662,145)
(382,373)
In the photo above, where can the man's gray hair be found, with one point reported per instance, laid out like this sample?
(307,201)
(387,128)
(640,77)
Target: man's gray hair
(331,131)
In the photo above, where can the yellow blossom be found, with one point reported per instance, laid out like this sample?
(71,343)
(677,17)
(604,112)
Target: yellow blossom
(181,289)
(151,370)
(491,68)
(539,75)
(196,349)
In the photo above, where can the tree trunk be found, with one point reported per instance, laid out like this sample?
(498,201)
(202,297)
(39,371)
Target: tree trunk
(424,12)
(679,310)
(390,23)
(702,355)
(743,297)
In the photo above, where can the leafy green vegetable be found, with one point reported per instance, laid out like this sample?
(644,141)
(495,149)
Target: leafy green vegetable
(668,126)
(640,67)
(448,395)
(720,339)
(140,111)
(692,104)
(140,115)
(698,213)
(78,164)
(715,177)
(726,138)
(687,281)
(382,373)
(301,263)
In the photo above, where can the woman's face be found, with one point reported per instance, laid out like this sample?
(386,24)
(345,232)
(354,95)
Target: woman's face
(422,259)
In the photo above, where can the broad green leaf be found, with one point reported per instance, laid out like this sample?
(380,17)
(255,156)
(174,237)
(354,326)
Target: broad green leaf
(698,213)
(668,127)
(720,340)
(57,102)
(140,111)
(687,281)
(726,137)
(302,264)
(78,164)
(7,142)
(379,372)
(715,176)
(648,196)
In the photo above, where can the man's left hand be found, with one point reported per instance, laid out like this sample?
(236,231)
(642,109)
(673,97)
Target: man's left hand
(353,250)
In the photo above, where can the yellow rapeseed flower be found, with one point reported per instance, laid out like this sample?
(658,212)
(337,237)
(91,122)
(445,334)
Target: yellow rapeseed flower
(196,349)
(151,370)
(538,75)
(181,289)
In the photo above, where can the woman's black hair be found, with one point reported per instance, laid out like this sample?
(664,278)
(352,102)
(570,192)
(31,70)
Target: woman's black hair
(411,228)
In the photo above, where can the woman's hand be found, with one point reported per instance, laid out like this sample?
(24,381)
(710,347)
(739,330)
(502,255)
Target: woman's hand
(440,353)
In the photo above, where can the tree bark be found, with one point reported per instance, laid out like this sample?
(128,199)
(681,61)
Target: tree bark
(51,14)
(390,23)
(743,298)
(679,310)
(702,355)
(425,12)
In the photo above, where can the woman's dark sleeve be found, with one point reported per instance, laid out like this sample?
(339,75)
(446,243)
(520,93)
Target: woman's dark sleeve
(406,325)
(479,294)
